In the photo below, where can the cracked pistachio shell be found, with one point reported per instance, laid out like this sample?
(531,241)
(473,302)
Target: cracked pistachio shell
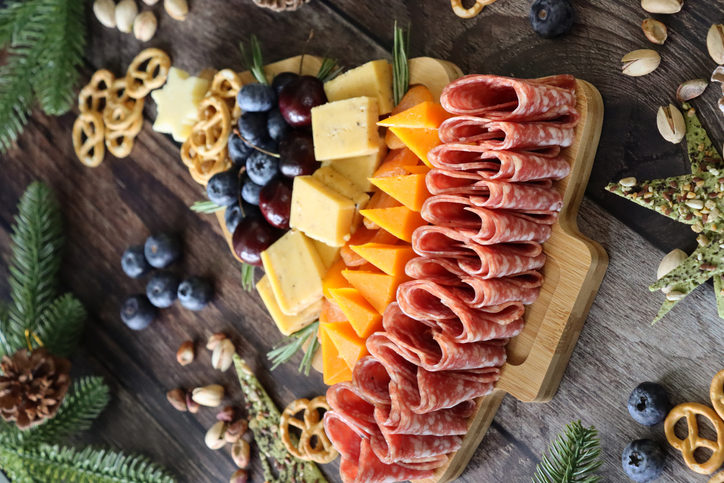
(654,30)
(715,43)
(691,89)
(640,62)
(662,6)
(671,123)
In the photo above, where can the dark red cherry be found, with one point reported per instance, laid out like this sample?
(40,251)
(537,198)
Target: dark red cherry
(296,154)
(299,97)
(275,202)
(252,236)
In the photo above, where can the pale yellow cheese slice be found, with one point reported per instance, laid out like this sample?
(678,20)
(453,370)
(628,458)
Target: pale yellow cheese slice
(320,212)
(373,79)
(360,168)
(287,324)
(345,129)
(177,103)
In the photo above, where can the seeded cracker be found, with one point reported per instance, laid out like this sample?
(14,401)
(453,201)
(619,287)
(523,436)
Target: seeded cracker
(264,423)
(696,199)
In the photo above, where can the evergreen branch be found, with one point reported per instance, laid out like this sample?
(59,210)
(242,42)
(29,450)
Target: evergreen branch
(573,457)
(4,316)
(16,95)
(80,408)
(61,463)
(37,240)
(14,17)
(60,325)
(206,207)
(400,65)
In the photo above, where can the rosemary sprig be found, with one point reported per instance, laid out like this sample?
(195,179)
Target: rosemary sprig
(205,207)
(254,60)
(281,354)
(247,276)
(328,70)
(400,66)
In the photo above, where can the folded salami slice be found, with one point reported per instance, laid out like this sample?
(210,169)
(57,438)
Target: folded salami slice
(444,271)
(346,400)
(504,135)
(478,293)
(373,381)
(425,451)
(505,98)
(444,422)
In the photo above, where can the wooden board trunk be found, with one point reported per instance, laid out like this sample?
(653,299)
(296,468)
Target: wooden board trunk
(574,269)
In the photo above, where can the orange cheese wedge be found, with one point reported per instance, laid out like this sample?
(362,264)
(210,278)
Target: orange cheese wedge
(334,278)
(379,199)
(361,236)
(410,190)
(349,347)
(377,288)
(399,220)
(361,315)
(417,169)
(426,115)
(331,312)
(334,368)
(420,141)
(414,95)
(391,259)
(396,163)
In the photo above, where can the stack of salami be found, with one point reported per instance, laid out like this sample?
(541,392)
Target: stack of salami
(443,343)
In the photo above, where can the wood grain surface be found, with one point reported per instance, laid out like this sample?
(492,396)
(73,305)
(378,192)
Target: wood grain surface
(121,202)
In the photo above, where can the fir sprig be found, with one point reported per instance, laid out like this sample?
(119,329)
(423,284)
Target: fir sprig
(573,457)
(61,325)
(247,276)
(253,59)
(206,207)
(293,344)
(400,66)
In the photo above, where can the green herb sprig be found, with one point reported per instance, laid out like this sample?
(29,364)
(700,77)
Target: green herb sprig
(400,66)
(294,343)
(247,276)
(574,457)
(206,207)
(328,70)
(253,59)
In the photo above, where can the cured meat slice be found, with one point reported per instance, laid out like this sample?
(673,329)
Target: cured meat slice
(506,98)
(479,293)
(444,271)
(346,400)
(475,259)
(506,135)
(425,300)
(425,451)
(372,381)
(444,422)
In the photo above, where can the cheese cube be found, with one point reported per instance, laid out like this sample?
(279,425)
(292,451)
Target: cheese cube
(287,324)
(358,169)
(327,254)
(320,212)
(373,79)
(345,129)
(339,183)
(295,272)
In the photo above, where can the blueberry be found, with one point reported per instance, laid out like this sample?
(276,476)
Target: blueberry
(194,293)
(281,80)
(238,150)
(162,250)
(261,168)
(252,127)
(250,191)
(643,460)
(551,18)
(223,188)
(232,216)
(649,403)
(277,127)
(134,262)
(161,289)
(256,98)
(137,312)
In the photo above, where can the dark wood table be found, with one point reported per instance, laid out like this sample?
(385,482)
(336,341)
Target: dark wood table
(122,201)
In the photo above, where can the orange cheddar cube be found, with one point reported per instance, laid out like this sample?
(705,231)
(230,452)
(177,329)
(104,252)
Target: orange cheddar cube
(426,115)
(410,190)
(331,312)
(361,315)
(391,259)
(334,278)
(349,347)
(377,288)
(396,163)
(420,141)
(334,368)
(400,220)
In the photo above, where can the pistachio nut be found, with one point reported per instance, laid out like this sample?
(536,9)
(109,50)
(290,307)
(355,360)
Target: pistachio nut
(240,453)
(105,12)
(126,12)
(177,398)
(715,43)
(691,89)
(671,123)
(718,75)
(144,26)
(214,437)
(239,476)
(150,2)
(628,182)
(228,414)
(215,339)
(177,9)
(235,430)
(675,296)
(185,353)
(654,30)
(223,355)
(209,396)
(662,6)
(670,261)
(640,62)
(695,204)
(721,103)
(192,405)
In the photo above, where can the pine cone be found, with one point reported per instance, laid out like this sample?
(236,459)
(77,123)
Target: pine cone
(32,387)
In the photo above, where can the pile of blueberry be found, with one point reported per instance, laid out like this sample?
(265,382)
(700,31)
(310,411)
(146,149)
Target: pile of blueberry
(276,120)
(163,288)
(551,18)
(643,459)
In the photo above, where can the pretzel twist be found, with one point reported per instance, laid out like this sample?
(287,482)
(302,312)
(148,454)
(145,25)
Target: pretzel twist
(226,84)
(93,96)
(693,441)
(142,79)
(211,132)
(311,425)
(120,116)
(462,12)
(203,168)
(120,142)
(716,392)
(88,134)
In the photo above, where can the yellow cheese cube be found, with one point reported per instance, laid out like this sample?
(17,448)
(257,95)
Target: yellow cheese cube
(373,79)
(358,169)
(287,324)
(327,254)
(177,103)
(320,212)
(344,129)
(339,183)
(295,272)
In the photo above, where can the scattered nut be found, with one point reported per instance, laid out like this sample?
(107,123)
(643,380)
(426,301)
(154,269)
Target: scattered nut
(627,182)
(144,26)
(640,62)
(718,75)
(662,6)
(191,404)
(214,438)
(675,296)
(715,43)
(240,453)
(671,123)
(177,9)
(721,102)
(185,353)
(703,241)
(236,430)
(223,355)
(239,476)
(670,261)
(654,30)
(150,2)
(228,414)
(177,398)
(695,204)
(214,340)
(126,12)
(105,11)
(690,89)
(209,396)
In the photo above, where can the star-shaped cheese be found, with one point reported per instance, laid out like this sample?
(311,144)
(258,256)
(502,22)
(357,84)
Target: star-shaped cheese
(696,199)
(177,103)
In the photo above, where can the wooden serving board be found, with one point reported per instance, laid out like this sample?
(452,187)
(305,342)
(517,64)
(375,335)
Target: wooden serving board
(573,271)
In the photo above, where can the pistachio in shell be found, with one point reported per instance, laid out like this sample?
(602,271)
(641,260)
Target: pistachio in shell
(640,62)
(691,89)
(654,30)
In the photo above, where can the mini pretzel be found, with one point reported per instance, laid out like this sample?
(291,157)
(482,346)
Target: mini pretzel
(693,441)
(716,392)
(321,451)
(120,142)
(210,134)
(119,116)
(462,12)
(200,168)
(88,134)
(92,96)
(142,80)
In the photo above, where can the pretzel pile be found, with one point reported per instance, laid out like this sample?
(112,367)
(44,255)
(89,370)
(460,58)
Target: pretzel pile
(313,444)
(472,11)
(111,109)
